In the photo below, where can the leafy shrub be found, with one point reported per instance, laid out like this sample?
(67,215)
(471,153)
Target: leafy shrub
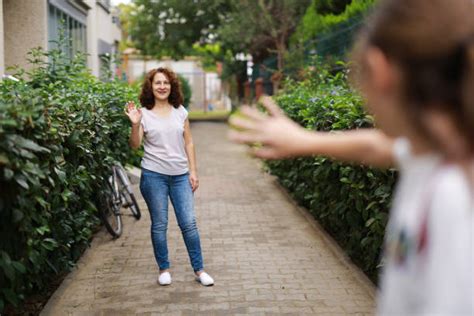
(350,201)
(331,6)
(187,92)
(314,23)
(325,34)
(60,130)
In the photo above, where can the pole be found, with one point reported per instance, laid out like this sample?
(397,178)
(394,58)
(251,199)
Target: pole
(204,96)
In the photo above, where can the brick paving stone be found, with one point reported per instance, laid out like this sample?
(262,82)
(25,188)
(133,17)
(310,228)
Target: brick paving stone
(266,255)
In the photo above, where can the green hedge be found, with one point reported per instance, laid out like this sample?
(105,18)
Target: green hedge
(60,129)
(187,91)
(350,201)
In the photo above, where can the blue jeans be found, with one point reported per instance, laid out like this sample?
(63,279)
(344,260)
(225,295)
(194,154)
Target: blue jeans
(155,188)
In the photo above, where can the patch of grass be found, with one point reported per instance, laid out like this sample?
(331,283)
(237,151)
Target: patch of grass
(219,115)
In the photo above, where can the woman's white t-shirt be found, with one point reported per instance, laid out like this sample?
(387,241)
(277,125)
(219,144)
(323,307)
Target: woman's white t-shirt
(164,142)
(429,250)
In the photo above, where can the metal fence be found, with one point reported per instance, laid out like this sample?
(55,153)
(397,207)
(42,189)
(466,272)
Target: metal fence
(334,44)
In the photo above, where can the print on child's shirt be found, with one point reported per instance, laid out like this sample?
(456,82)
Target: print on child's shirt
(403,245)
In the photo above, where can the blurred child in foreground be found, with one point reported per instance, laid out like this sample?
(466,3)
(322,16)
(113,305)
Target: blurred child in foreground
(414,64)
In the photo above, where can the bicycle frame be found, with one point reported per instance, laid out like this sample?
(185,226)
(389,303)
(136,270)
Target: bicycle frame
(123,178)
(120,195)
(117,197)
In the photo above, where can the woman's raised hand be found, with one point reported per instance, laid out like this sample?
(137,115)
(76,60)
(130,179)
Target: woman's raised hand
(133,113)
(279,136)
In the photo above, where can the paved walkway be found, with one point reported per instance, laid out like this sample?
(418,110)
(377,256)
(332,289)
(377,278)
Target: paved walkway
(267,258)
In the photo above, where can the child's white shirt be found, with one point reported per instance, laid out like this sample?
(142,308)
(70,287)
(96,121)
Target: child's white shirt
(429,250)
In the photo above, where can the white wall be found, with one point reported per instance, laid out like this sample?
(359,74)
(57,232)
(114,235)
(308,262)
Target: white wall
(99,26)
(106,30)
(92,60)
(24,27)
(137,67)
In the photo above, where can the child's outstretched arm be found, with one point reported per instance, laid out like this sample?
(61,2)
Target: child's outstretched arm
(280,137)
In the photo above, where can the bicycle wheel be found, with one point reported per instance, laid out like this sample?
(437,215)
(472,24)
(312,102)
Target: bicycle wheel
(110,212)
(127,193)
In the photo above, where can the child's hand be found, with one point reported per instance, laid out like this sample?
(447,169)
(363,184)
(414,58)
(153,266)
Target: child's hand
(133,113)
(280,137)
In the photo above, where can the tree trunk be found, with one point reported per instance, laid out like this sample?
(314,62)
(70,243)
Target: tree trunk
(281,50)
(277,76)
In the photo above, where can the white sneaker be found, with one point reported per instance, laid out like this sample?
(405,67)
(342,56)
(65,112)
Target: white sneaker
(205,279)
(164,278)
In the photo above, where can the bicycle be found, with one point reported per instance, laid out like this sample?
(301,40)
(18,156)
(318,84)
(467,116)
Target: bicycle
(118,194)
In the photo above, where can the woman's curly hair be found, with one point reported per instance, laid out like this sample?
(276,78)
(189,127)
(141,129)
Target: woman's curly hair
(147,98)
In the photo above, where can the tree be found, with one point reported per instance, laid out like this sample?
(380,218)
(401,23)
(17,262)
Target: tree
(262,27)
(125,17)
(172,27)
(257,27)
(325,32)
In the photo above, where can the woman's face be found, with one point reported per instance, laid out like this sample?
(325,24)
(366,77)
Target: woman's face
(161,86)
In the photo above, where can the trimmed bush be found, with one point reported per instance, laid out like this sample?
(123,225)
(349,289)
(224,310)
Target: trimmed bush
(60,131)
(187,92)
(350,201)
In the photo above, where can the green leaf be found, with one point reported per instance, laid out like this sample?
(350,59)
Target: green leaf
(5,257)
(22,182)
(19,267)
(8,173)
(49,244)
(8,270)
(10,296)
(4,159)
(369,222)
(42,230)
(61,174)
(42,202)
(371,204)
(9,123)
(27,154)
(31,145)
(67,194)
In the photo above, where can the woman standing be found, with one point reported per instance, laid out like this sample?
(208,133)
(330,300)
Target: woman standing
(168,167)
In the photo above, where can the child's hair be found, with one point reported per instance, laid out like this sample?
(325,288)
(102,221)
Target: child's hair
(147,99)
(432,42)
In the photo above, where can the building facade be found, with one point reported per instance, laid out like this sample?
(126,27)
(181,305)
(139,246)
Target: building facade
(91,25)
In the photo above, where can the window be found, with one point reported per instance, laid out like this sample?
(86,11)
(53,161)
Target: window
(74,31)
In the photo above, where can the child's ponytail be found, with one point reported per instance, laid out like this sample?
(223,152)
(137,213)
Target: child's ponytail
(432,42)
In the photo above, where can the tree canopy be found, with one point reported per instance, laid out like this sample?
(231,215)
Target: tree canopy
(173,27)
(262,27)
(230,30)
